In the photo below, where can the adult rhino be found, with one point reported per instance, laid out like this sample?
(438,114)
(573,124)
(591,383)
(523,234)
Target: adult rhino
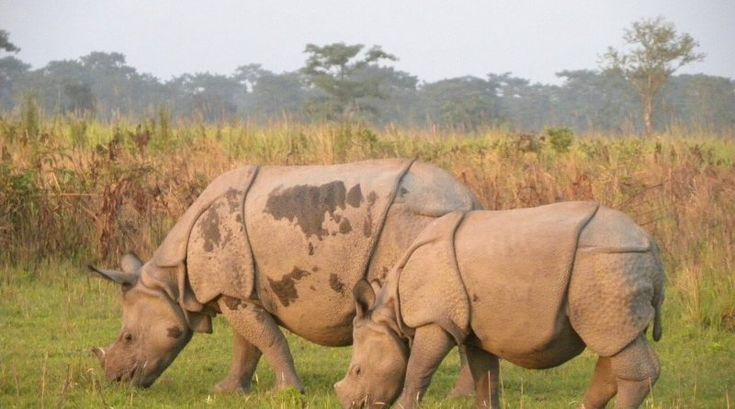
(268,246)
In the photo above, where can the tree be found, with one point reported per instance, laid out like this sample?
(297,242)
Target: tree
(278,96)
(465,103)
(332,69)
(13,73)
(654,52)
(5,43)
(210,97)
(703,102)
(592,100)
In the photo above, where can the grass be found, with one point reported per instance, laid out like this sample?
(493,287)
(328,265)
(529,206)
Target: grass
(53,316)
(74,191)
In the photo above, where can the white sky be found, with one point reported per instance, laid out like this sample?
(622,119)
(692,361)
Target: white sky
(433,39)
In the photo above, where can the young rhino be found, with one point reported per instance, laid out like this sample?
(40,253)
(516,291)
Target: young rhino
(532,286)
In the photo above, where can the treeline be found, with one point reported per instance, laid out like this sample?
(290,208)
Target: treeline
(104,86)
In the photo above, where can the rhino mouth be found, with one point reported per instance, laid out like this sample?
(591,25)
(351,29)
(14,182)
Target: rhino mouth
(366,403)
(132,375)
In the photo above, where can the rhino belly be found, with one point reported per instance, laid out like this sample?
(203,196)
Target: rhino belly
(563,346)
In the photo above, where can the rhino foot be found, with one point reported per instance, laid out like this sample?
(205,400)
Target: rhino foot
(232,386)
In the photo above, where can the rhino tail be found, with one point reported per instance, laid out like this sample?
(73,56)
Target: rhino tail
(658,293)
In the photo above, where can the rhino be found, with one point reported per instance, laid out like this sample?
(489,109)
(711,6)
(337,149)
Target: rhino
(533,286)
(270,246)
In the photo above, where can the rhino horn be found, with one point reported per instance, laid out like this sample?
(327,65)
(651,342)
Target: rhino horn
(100,353)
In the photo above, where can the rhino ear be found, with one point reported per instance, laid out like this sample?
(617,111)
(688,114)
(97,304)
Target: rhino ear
(120,277)
(364,297)
(131,263)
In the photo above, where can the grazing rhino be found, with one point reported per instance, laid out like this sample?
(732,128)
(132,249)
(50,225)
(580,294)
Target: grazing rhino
(533,286)
(268,246)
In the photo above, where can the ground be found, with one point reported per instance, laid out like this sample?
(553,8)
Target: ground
(52,315)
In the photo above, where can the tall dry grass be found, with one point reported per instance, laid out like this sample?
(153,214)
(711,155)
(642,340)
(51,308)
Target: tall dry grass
(71,188)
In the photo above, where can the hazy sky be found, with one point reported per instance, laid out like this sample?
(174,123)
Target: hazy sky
(433,39)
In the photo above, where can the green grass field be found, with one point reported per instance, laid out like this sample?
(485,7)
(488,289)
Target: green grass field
(58,212)
(52,316)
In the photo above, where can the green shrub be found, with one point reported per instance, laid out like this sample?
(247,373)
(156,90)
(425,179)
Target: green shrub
(560,139)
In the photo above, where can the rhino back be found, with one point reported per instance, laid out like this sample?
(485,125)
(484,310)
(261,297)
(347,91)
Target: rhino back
(312,230)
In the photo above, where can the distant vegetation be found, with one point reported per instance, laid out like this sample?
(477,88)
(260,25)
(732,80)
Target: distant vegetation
(340,81)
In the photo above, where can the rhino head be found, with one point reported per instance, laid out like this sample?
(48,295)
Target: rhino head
(379,354)
(154,326)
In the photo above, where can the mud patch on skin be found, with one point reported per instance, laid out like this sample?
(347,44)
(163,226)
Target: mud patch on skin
(233,199)
(174,332)
(306,205)
(345,226)
(233,303)
(210,228)
(336,284)
(354,196)
(285,288)
(372,198)
(475,298)
(260,316)
(367,225)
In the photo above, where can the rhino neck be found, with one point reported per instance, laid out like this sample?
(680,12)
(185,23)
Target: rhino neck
(387,310)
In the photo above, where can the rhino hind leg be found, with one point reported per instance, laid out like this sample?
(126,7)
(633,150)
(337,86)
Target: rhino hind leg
(630,374)
(259,328)
(245,357)
(485,368)
(636,370)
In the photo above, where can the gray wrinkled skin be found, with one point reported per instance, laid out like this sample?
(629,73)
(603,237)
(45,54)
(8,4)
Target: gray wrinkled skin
(532,286)
(268,247)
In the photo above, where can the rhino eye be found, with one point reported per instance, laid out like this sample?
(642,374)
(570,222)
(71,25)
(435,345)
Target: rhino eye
(356,370)
(128,337)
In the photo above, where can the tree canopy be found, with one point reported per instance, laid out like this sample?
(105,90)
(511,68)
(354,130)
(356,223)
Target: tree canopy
(5,43)
(654,51)
(343,82)
(334,69)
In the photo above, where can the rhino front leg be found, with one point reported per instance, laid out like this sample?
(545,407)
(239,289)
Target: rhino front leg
(485,369)
(603,386)
(430,345)
(258,328)
(245,357)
